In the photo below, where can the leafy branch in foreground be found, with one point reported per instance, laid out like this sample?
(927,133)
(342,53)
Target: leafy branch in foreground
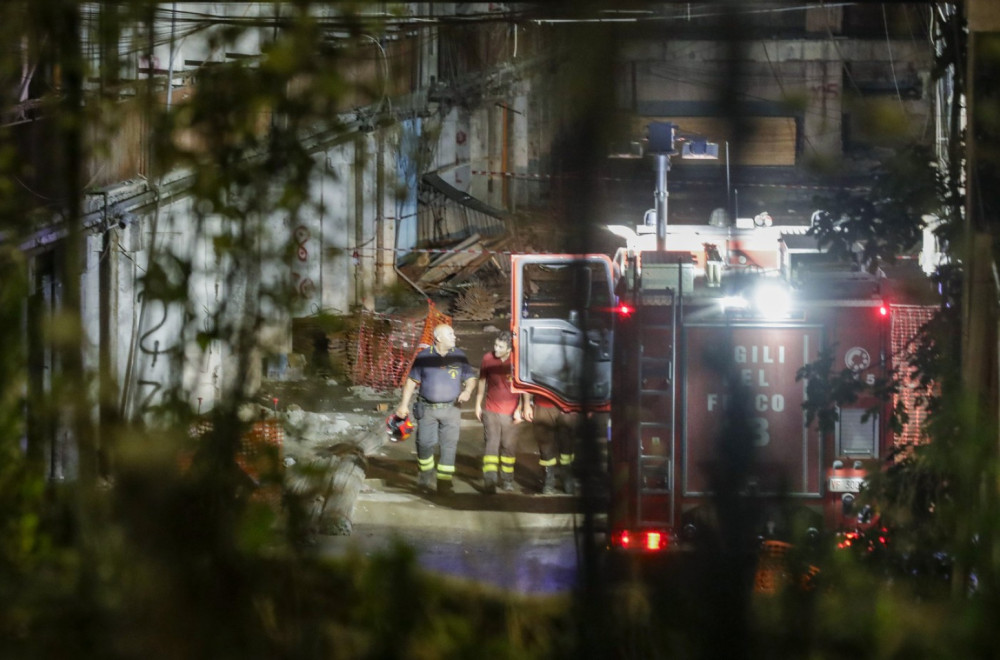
(827,391)
(887,221)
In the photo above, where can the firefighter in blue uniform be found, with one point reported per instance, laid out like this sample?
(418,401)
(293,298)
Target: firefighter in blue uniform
(442,379)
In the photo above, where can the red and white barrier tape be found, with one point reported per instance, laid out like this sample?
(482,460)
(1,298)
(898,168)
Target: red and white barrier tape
(782,186)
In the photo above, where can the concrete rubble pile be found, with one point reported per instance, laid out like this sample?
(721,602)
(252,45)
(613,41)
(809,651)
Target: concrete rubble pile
(325,458)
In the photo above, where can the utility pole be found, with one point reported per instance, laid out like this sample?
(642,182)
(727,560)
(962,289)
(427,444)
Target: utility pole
(980,316)
(980,357)
(660,144)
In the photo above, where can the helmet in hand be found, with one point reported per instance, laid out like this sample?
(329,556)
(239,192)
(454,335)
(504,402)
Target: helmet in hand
(399,428)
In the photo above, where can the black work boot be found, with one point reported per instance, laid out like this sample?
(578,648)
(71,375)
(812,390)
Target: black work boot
(445,488)
(425,480)
(568,482)
(549,486)
(489,483)
(507,483)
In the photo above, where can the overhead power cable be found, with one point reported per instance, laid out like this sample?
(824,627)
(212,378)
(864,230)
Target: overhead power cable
(892,64)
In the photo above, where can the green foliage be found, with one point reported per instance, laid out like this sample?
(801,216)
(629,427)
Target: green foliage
(173,555)
(935,355)
(827,390)
(23,546)
(886,221)
(401,295)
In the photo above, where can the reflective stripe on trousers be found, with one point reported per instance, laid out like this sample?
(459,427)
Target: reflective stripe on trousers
(500,434)
(439,427)
(445,472)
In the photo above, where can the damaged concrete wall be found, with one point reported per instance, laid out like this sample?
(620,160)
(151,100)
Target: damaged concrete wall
(819,83)
(334,256)
(363,216)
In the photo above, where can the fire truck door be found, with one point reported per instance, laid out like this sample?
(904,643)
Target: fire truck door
(561,318)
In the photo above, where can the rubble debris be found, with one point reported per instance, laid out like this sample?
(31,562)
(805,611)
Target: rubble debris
(372,394)
(489,255)
(460,262)
(474,303)
(449,263)
(329,463)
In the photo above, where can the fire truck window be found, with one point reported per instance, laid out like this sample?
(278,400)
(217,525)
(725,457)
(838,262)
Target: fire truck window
(601,301)
(571,292)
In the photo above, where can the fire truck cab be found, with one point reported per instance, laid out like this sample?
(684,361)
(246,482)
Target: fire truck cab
(695,351)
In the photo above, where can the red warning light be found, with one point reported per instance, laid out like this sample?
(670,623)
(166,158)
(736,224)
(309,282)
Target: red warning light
(625,310)
(652,540)
(655,540)
(883,310)
(621,539)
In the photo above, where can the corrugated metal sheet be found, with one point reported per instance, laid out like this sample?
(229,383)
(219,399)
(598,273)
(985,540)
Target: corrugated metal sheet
(448,214)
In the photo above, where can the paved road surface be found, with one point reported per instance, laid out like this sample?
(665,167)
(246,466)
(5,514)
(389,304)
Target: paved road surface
(520,541)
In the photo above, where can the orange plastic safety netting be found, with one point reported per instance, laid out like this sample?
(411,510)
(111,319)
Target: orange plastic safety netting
(386,346)
(906,322)
(260,456)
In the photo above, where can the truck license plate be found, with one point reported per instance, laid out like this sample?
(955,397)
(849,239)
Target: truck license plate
(846,484)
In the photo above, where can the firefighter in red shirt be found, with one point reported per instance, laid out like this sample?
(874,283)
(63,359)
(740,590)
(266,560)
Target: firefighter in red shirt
(498,408)
(556,430)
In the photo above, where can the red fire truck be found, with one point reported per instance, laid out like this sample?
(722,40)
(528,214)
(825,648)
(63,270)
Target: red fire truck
(677,343)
